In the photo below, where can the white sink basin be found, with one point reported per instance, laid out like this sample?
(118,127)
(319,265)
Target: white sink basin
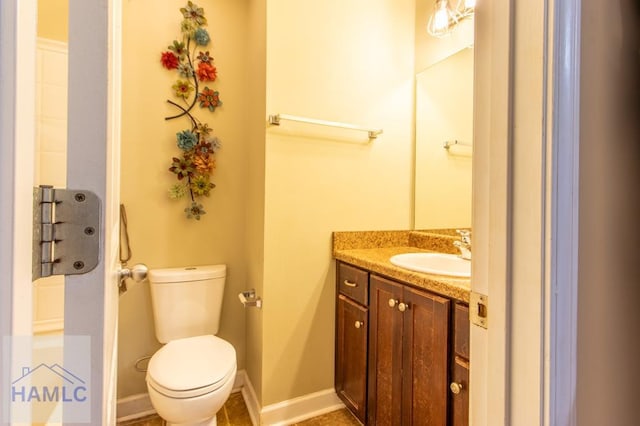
(434,263)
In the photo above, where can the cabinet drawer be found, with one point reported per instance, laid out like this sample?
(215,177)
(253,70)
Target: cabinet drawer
(353,283)
(461,332)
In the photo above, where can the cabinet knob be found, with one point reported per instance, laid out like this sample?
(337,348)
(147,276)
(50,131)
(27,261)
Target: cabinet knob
(456,388)
(359,324)
(393,303)
(403,307)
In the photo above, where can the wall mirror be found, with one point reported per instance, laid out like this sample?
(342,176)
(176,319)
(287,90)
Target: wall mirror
(444,143)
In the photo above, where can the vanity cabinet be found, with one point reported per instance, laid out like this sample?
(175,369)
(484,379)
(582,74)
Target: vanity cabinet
(402,353)
(408,355)
(351,338)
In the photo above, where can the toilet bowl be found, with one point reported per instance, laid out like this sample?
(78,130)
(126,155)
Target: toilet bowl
(190,379)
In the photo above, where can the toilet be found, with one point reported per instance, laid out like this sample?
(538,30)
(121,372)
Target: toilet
(190,378)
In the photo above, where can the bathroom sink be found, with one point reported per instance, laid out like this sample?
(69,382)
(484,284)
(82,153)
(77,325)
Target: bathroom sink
(434,263)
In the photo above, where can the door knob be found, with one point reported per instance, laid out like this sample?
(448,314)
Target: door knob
(403,306)
(137,273)
(393,303)
(359,324)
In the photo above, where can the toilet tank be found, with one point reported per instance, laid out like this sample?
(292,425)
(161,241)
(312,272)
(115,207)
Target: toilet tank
(186,301)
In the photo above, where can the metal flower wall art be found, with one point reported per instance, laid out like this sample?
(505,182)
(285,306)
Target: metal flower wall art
(197,146)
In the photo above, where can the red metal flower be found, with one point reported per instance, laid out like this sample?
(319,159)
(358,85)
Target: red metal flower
(169,60)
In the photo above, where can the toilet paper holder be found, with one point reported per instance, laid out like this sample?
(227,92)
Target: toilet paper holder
(249,298)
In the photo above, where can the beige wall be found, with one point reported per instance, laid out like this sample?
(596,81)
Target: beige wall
(53,19)
(608,292)
(281,191)
(444,112)
(349,62)
(160,234)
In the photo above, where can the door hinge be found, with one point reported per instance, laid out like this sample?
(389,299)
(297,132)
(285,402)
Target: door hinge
(66,231)
(479,309)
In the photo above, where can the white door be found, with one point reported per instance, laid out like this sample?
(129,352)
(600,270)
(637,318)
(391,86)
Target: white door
(93,165)
(525,188)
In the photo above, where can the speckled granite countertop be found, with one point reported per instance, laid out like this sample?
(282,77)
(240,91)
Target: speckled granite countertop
(371,250)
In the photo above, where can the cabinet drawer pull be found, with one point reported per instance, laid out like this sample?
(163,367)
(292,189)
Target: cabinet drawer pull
(456,388)
(359,324)
(393,303)
(350,284)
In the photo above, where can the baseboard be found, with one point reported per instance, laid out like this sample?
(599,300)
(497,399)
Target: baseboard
(250,398)
(134,407)
(240,382)
(301,408)
(52,326)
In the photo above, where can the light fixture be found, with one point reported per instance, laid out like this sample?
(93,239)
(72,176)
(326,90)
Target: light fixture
(465,8)
(444,19)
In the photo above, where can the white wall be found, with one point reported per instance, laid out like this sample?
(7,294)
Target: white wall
(608,291)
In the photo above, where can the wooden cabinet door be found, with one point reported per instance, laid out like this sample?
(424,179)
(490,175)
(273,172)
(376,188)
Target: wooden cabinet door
(425,359)
(459,391)
(385,353)
(460,400)
(461,330)
(351,356)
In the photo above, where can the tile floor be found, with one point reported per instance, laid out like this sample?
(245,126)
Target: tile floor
(234,413)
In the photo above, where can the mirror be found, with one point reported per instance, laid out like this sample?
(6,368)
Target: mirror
(444,132)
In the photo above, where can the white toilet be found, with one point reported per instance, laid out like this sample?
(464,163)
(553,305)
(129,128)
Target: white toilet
(190,378)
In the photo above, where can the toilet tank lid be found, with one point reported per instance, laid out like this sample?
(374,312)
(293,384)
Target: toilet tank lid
(187,273)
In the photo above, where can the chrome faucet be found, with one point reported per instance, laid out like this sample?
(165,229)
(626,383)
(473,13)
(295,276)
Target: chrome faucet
(464,244)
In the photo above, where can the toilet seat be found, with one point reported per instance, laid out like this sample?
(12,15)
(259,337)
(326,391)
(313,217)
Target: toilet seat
(190,367)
